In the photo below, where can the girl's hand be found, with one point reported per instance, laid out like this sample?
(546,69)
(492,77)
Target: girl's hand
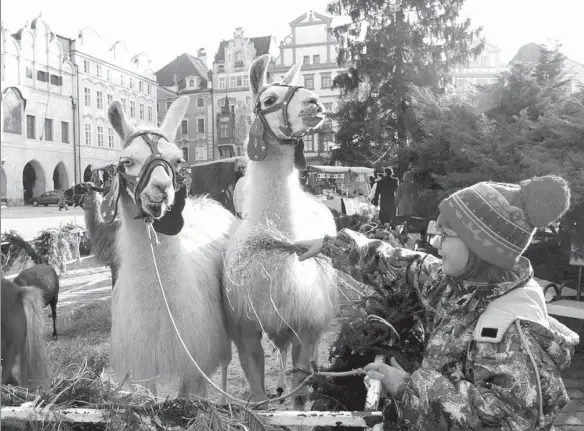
(392,377)
(313,247)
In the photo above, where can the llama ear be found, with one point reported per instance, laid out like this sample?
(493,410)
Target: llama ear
(174,116)
(258,74)
(257,150)
(293,75)
(117,119)
(109,204)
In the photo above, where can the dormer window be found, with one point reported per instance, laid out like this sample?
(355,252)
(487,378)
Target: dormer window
(191,83)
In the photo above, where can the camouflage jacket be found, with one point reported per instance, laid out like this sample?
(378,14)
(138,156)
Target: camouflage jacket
(478,369)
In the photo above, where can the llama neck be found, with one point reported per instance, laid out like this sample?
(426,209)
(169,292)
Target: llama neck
(274,187)
(92,216)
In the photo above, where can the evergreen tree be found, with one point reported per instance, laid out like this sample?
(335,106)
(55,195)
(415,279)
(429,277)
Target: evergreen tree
(392,46)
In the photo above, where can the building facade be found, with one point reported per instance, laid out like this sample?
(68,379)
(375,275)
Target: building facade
(231,86)
(311,44)
(55,93)
(482,70)
(108,72)
(189,75)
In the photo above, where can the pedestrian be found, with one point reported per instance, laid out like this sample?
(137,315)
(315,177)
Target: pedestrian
(62,203)
(493,357)
(406,196)
(385,197)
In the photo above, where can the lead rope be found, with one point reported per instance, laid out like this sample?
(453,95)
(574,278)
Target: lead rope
(155,242)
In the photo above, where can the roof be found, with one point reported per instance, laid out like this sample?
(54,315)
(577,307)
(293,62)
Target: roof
(527,53)
(184,65)
(261,44)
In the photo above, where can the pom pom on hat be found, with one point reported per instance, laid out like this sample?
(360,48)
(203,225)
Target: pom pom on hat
(545,199)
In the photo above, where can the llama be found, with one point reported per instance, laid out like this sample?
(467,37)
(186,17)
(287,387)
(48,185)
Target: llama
(22,335)
(102,235)
(193,235)
(296,302)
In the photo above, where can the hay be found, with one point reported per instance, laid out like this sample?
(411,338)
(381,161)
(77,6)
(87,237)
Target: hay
(129,410)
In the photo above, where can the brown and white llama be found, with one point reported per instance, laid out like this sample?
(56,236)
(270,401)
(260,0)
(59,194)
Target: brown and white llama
(193,235)
(292,302)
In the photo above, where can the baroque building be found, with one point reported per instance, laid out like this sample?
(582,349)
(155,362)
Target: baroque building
(231,90)
(55,94)
(189,75)
(480,71)
(311,43)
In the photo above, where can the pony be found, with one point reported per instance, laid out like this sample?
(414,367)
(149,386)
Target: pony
(22,326)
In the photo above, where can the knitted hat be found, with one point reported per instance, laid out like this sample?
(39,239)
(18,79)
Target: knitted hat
(497,221)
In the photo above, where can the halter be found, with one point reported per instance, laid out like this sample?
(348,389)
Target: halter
(283,107)
(136,183)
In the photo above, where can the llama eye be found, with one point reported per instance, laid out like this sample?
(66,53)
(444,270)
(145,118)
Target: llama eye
(127,162)
(269,101)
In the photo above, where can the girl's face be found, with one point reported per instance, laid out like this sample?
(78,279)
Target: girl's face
(454,252)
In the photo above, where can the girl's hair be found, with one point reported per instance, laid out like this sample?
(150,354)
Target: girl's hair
(479,270)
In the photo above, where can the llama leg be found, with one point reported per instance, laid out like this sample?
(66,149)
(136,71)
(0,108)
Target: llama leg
(251,356)
(283,351)
(303,352)
(53,305)
(224,374)
(9,354)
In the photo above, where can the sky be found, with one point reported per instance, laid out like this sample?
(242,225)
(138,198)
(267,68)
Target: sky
(166,30)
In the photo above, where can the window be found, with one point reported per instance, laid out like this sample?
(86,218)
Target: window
(88,134)
(100,136)
(132,109)
(110,99)
(108,74)
(124,105)
(309,82)
(185,151)
(238,57)
(149,89)
(99,98)
(110,137)
(221,83)
(29,72)
(42,76)
(141,111)
(12,112)
(98,70)
(327,141)
(325,82)
(306,59)
(224,130)
(201,153)
(30,127)
(200,102)
(168,105)
(232,82)
(316,59)
(48,132)
(200,125)
(150,114)
(64,132)
(248,101)
(131,82)
(309,143)
(240,81)
(141,86)
(56,80)
(184,127)
(246,80)
(86,66)
(191,83)
(122,80)
(87,96)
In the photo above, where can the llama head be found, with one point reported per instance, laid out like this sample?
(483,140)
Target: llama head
(285,112)
(148,169)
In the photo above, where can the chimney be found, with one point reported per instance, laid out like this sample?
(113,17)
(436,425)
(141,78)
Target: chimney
(202,56)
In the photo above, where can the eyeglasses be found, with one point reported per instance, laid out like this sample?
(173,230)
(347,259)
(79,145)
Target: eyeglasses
(440,237)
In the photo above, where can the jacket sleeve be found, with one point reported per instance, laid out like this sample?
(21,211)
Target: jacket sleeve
(503,392)
(377,193)
(357,255)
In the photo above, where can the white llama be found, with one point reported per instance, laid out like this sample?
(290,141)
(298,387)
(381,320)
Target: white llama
(193,235)
(292,301)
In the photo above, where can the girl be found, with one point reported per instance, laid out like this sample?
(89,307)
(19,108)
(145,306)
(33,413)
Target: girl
(493,356)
